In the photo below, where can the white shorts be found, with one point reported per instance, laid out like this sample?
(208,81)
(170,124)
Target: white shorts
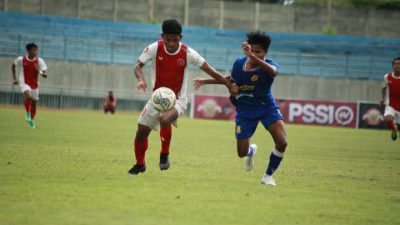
(150,116)
(391,111)
(34,92)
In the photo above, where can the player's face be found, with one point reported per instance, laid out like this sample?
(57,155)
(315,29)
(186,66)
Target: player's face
(258,51)
(171,42)
(396,66)
(32,52)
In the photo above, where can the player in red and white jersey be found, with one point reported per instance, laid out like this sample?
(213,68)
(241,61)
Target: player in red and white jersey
(391,98)
(171,59)
(29,66)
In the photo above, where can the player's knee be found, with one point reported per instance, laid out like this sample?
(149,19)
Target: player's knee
(140,136)
(281,145)
(164,122)
(388,118)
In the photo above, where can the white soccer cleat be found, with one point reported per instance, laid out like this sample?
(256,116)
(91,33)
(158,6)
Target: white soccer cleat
(268,180)
(249,162)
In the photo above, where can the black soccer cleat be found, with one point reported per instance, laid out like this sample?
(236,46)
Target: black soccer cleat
(394,135)
(136,169)
(164,161)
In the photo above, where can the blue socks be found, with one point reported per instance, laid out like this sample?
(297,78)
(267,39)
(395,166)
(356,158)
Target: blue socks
(274,161)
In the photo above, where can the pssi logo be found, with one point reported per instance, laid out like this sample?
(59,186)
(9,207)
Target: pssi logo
(321,113)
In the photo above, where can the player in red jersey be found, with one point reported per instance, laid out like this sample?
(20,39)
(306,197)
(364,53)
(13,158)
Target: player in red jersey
(30,66)
(170,60)
(391,98)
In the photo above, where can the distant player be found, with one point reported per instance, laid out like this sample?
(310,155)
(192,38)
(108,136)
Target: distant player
(110,103)
(254,74)
(170,60)
(30,66)
(391,98)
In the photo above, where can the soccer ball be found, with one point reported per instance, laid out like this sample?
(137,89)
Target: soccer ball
(163,99)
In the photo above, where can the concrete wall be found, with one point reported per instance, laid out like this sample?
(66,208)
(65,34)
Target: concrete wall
(237,15)
(99,78)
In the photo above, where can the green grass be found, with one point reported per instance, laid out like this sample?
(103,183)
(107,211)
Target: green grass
(72,170)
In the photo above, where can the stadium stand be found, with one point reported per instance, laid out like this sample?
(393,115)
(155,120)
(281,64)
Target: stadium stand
(99,41)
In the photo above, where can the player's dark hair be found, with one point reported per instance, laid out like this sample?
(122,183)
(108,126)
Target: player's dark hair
(395,59)
(29,46)
(171,26)
(259,38)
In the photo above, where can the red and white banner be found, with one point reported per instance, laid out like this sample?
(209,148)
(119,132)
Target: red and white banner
(212,107)
(319,112)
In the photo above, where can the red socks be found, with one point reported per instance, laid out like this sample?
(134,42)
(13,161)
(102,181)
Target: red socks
(29,107)
(390,125)
(27,104)
(140,150)
(165,135)
(142,145)
(33,110)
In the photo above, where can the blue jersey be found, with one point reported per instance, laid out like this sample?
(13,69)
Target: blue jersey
(254,88)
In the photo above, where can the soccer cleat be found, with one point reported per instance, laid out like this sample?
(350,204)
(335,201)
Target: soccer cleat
(32,124)
(268,180)
(249,162)
(164,161)
(394,135)
(136,169)
(28,117)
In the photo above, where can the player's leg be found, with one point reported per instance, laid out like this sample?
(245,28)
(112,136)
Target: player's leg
(389,117)
(34,98)
(26,90)
(244,130)
(166,119)
(276,127)
(148,120)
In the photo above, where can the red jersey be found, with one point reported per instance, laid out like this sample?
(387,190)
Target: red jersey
(170,69)
(29,70)
(392,85)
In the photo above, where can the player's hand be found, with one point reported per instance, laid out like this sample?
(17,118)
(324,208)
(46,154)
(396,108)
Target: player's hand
(44,75)
(246,49)
(233,89)
(141,86)
(15,82)
(197,83)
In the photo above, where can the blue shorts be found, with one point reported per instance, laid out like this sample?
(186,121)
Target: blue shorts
(246,124)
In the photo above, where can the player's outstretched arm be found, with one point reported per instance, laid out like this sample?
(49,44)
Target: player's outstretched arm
(15,81)
(141,84)
(198,82)
(233,89)
(264,65)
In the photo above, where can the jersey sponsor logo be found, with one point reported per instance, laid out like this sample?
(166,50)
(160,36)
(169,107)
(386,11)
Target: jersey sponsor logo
(160,58)
(181,62)
(254,78)
(247,87)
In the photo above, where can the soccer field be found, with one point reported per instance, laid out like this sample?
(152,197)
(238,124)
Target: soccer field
(72,169)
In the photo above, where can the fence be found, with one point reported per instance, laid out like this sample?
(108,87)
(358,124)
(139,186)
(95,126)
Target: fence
(60,98)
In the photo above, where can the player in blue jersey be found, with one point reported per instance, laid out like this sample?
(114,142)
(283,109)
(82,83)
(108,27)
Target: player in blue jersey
(254,74)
